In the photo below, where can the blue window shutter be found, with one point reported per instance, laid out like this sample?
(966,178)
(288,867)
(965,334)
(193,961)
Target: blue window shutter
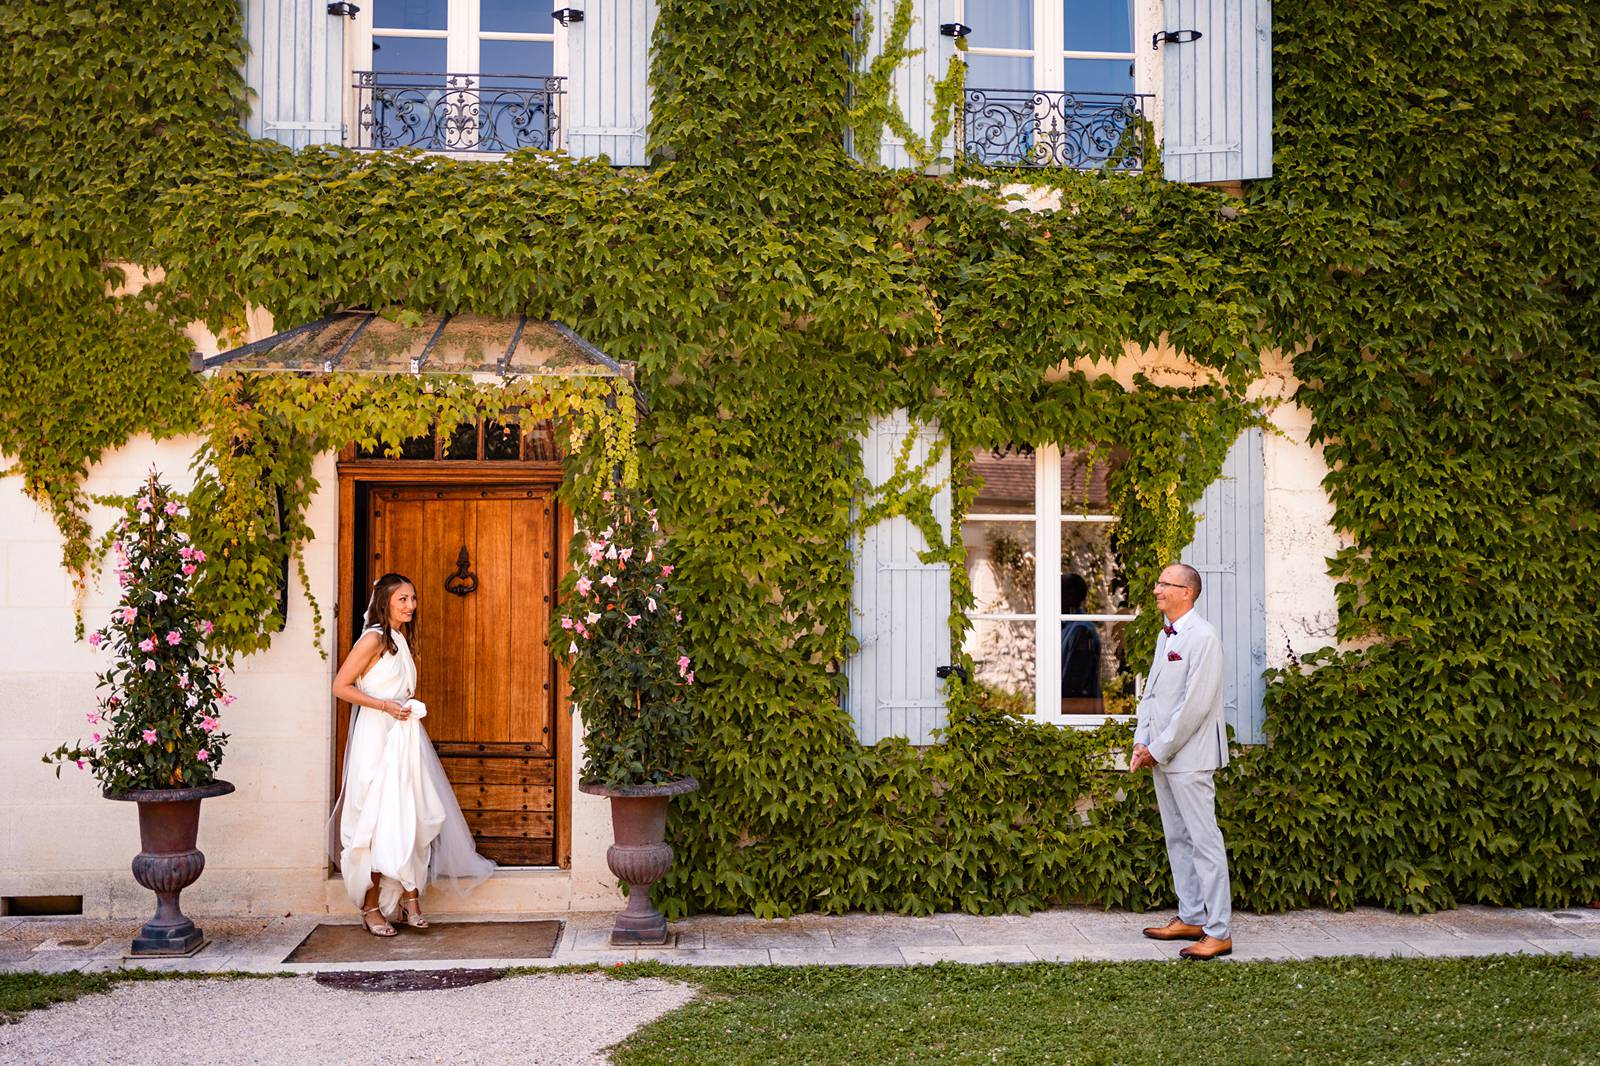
(913,80)
(1217,91)
(1228,550)
(901,605)
(295,70)
(607,106)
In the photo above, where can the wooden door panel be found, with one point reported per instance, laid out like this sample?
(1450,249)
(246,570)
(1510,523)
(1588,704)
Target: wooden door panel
(484,667)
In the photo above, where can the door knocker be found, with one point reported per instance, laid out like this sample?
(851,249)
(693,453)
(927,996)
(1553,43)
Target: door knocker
(463,580)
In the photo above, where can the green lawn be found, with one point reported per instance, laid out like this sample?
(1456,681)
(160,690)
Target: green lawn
(1385,1011)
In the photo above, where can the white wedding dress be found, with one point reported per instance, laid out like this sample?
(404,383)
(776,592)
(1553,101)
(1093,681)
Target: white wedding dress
(397,815)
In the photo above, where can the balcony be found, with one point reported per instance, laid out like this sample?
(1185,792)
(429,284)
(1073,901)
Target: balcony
(1037,128)
(478,113)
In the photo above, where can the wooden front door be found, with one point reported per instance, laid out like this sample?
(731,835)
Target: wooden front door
(483,559)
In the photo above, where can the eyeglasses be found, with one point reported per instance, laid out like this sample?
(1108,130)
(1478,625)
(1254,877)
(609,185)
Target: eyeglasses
(1169,585)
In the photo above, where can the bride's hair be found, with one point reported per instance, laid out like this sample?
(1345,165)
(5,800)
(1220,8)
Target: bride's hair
(378,609)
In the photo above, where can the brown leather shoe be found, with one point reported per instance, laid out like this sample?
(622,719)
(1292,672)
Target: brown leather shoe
(1209,947)
(1177,929)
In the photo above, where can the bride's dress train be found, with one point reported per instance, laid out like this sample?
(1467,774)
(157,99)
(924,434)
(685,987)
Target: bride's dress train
(397,815)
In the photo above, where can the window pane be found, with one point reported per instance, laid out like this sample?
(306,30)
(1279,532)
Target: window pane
(515,57)
(515,16)
(1084,478)
(410,14)
(1000,565)
(999,72)
(416,447)
(463,442)
(1003,655)
(1006,478)
(502,440)
(1095,678)
(409,54)
(1098,75)
(1091,579)
(1000,24)
(1098,25)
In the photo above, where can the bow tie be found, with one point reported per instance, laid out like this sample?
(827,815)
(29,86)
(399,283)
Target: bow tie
(1170,631)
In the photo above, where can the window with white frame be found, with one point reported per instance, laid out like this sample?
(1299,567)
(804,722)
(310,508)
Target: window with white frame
(458,75)
(1051,608)
(1057,82)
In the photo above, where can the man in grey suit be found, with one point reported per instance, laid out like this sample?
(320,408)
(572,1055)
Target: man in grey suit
(1182,737)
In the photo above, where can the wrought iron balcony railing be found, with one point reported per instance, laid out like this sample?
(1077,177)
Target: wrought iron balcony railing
(457,112)
(1082,131)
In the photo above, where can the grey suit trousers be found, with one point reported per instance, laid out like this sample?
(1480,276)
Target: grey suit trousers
(1188,802)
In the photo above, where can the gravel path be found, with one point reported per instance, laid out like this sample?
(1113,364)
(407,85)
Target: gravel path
(568,1019)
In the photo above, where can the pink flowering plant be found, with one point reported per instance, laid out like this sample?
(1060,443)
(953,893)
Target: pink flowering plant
(619,628)
(155,724)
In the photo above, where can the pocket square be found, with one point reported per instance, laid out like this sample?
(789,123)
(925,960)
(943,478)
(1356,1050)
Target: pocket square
(1174,657)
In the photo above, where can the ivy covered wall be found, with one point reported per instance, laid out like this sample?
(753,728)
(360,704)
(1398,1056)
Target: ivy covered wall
(1425,250)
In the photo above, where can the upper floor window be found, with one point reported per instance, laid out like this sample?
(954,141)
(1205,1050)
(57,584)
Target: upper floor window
(1055,83)
(458,75)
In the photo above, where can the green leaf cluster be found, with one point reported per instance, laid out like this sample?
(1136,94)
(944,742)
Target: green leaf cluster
(1424,253)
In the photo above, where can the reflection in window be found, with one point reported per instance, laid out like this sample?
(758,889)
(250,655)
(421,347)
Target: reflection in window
(1050,612)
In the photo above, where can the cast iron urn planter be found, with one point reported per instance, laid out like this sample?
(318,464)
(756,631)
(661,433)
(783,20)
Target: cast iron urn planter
(168,862)
(641,854)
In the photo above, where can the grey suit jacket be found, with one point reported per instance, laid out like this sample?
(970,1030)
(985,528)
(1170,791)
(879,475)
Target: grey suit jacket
(1180,713)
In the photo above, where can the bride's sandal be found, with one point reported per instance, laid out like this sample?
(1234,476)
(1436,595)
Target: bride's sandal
(382,928)
(411,908)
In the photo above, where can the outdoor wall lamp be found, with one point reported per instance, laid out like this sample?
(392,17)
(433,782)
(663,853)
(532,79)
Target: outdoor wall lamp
(342,7)
(567,15)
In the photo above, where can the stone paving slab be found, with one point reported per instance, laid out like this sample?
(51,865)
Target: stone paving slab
(1072,934)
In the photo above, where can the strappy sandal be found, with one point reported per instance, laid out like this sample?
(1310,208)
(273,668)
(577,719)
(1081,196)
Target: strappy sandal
(382,929)
(411,908)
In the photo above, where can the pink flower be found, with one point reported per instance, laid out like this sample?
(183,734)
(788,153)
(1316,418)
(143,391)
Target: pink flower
(185,552)
(566,623)
(633,620)
(584,585)
(607,496)
(96,737)
(609,580)
(143,503)
(183,681)
(149,736)
(188,569)
(689,677)
(199,556)
(149,666)
(147,644)
(203,755)
(80,763)
(592,617)
(208,723)
(95,638)
(93,717)
(650,555)
(113,700)
(683,663)
(129,614)
(174,638)
(161,597)
(172,507)
(611,552)
(206,627)
(666,571)
(228,700)
(572,649)
(581,631)
(625,554)
(191,700)
(650,602)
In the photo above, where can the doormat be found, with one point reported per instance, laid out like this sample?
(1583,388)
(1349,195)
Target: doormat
(441,940)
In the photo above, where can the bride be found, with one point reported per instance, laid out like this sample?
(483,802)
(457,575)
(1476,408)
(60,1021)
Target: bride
(398,826)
